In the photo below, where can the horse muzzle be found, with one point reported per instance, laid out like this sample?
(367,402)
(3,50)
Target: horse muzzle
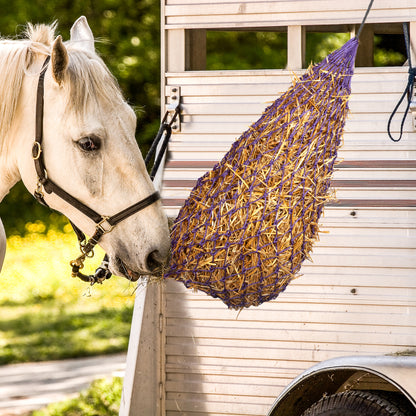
(154,265)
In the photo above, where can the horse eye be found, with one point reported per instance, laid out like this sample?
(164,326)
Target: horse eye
(89,143)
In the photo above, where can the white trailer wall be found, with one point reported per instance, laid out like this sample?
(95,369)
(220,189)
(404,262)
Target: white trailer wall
(358,295)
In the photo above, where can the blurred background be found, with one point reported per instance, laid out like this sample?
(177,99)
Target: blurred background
(44,314)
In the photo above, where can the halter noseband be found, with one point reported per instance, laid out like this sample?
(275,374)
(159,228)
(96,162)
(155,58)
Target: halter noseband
(103,224)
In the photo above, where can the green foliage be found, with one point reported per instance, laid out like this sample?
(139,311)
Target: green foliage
(320,45)
(268,50)
(19,210)
(389,50)
(45,314)
(246,50)
(101,398)
(264,50)
(53,332)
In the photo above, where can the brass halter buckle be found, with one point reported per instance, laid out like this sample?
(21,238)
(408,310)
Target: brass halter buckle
(36,150)
(104,226)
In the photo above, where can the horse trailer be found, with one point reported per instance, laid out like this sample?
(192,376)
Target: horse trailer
(344,331)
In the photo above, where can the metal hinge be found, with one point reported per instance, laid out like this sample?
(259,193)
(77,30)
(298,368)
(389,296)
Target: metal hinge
(173,101)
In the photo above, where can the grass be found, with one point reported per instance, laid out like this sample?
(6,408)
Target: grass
(101,398)
(45,314)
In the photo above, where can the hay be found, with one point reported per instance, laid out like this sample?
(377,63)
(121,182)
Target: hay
(251,221)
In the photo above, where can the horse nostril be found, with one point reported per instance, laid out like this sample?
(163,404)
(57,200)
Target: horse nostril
(152,262)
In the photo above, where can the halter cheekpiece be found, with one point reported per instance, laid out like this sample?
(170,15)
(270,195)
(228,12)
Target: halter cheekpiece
(103,224)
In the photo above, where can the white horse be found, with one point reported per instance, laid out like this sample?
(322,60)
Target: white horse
(88,147)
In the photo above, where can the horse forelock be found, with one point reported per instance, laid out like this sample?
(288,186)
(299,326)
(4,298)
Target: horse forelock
(40,33)
(90,83)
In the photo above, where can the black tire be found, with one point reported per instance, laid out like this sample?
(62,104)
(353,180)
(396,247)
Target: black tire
(354,403)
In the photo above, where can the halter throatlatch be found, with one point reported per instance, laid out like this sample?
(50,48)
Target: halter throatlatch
(103,224)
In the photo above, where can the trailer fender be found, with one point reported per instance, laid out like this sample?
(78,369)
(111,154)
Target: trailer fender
(382,373)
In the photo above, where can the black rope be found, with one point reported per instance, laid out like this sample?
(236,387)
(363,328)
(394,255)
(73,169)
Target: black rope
(364,19)
(159,157)
(156,140)
(407,91)
(165,131)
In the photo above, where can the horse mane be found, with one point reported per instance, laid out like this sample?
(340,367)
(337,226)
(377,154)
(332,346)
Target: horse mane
(88,81)
(15,57)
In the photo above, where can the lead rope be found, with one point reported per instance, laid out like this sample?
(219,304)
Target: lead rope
(87,247)
(408,89)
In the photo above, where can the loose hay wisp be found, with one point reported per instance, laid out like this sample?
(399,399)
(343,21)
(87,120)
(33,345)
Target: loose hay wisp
(251,221)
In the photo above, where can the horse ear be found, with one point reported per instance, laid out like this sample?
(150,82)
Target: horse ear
(82,34)
(59,60)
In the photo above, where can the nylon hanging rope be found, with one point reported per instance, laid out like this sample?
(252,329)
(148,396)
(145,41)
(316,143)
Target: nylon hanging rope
(408,89)
(250,222)
(364,18)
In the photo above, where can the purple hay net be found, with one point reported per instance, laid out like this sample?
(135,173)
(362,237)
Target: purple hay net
(250,222)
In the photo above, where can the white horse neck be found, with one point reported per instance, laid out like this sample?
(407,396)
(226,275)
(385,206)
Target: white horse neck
(15,59)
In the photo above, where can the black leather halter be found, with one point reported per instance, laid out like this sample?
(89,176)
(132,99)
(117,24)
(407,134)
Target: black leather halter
(104,224)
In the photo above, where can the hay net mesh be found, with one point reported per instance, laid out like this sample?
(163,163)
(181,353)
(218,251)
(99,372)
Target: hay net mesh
(250,222)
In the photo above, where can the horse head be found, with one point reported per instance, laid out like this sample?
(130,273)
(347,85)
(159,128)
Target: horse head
(89,148)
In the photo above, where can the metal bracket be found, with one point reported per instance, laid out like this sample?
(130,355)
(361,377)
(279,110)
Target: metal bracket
(173,101)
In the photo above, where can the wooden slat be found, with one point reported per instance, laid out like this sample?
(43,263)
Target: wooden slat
(217,7)
(352,149)
(220,142)
(185,183)
(353,203)
(271,91)
(290,333)
(219,107)
(351,153)
(282,13)
(368,164)
(339,174)
(374,203)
